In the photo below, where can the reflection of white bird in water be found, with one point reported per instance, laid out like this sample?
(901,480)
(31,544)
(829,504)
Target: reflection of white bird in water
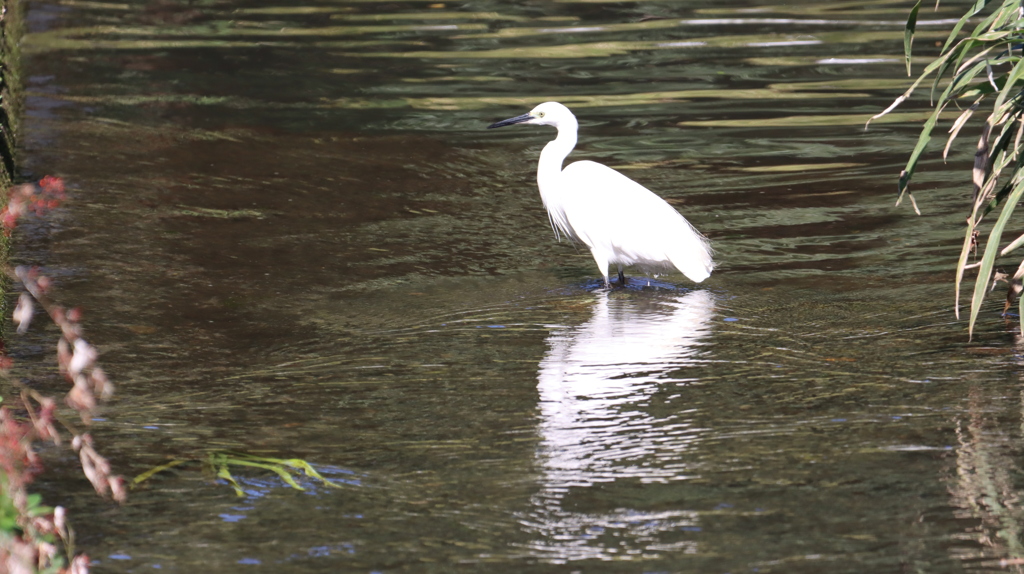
(601,385)
(621,221)
(594,375)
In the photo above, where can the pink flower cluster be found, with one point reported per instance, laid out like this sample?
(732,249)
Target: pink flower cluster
(33,550)
(31,198)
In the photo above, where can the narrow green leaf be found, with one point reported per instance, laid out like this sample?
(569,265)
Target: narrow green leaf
(994,36)
(962,80)
(938,63)
(1012,246)
(309,470)
(272,467)
(986,24)
(958,124)
(997,199)
(927,71)
(965,48)
(1020,309)
(1005,14)
(979,56)
(922,143)
(965,251)
(982,168)
(1006,111)
(223,472)
(155,470)
(939,74)
(1008,85)
(978,175)
(997,158)
(40,511)
(908,33)
(989,256)
(978,5)
(296,463)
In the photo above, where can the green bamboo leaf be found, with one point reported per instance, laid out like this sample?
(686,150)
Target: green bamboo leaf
(979,56)
(1008,10)
(995,36)
(961,264)
(997,199)
(987,22)
(155,470)
(965,72)
(961,50)
(1007,111)
(309,470)
(40,511)
(962,80)
(982,168)
(223,472)
(989,256)
(965,48)
(978,91)
(273,464)
(998,149)
(958,124)
(978,175)
(996,159)
(978,5)
(1020,309)
(939,74)
(922,143)
(947,57)
(927,71)
(272,467)
(1016,243)
(908,34)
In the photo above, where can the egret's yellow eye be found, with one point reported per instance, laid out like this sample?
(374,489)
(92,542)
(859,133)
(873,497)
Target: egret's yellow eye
(540,114)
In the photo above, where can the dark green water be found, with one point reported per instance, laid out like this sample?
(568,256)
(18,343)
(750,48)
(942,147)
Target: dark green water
(292,236)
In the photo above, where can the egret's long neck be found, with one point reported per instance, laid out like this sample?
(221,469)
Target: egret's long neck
(550,165)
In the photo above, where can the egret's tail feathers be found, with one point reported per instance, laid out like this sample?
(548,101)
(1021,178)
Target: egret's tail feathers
(694,271)
(694,261)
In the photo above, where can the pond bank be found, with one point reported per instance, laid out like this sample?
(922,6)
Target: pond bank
(10,88)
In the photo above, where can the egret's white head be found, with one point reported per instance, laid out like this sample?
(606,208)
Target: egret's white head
(546,114)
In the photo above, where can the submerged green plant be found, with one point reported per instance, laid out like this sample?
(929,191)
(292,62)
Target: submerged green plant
(985,66)
(219,463)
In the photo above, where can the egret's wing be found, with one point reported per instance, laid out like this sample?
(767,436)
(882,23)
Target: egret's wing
(560,220)
(608,211)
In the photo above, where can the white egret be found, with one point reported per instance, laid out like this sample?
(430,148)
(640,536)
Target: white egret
(621,221)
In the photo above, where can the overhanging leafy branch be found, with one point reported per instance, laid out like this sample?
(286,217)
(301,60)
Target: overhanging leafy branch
(985,66)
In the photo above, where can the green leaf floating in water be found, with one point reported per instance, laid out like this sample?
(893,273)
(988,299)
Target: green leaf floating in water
(219,463)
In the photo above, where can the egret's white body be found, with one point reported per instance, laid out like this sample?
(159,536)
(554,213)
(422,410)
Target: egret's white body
(621,221)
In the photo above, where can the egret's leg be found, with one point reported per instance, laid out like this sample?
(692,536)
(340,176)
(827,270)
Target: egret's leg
(622,278)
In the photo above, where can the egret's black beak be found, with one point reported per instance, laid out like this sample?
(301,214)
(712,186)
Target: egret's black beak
(510,121)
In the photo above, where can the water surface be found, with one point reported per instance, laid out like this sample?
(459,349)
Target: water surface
(292,236)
